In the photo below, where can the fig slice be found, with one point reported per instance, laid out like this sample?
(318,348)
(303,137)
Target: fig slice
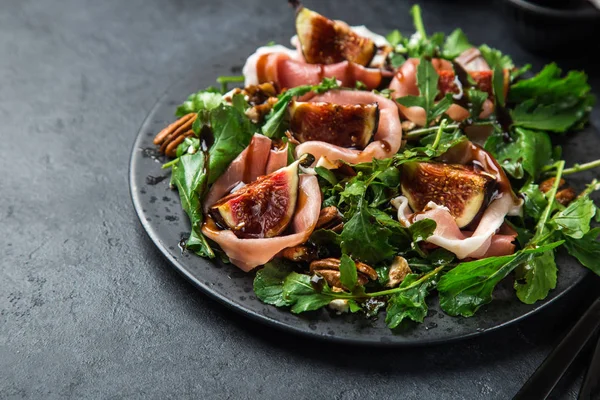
(324,41)
(462,189)
(345,125)
(261,209)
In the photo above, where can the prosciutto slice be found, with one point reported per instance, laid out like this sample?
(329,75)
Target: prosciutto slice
(483,242)
(247,254)
(256,160)
(488,238)
(386,142)
(287,68)
(405,83)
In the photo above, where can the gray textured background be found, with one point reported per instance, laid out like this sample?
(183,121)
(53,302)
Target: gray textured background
(88,308)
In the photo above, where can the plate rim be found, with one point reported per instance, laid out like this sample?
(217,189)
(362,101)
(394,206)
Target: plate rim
(370,341)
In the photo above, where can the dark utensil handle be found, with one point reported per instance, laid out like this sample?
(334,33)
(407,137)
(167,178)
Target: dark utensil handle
(590,389)
(545,378)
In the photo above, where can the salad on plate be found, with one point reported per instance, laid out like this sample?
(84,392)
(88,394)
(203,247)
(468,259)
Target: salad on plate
(366,173)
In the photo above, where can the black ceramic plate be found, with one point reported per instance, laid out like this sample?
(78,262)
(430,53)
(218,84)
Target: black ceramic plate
(161,216)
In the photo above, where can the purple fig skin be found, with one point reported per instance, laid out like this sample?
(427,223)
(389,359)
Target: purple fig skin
(324,41)
(348,125)
(261,209)
(462,189)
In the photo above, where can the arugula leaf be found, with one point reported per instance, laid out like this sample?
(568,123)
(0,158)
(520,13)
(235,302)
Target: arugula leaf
(524,235)
(239,103)
(518,72)
(364,238)
(469,285)
(555,117)
(495,57)
(548,86)
(190,179)
(422,229)
(299,293)
(354,306)
(325,236)
(527,151)
(394,37)
(396,60)
(232,132)
(549,102)
(327,175)
(586,249)
(536,277)
(574,221)
(498,62)
(446,141)
(348,273)
(409,303)
(404,239)
(427,82)
(354,189)
(389,177)
(268,283)
(455,44)
(498,84)
(359,85)
(274,125)
(477,98)
(203,100)
(535,202)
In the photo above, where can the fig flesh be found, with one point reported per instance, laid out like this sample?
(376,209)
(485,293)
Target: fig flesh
(462,189)
(345,125)
(324,41)
(261,209)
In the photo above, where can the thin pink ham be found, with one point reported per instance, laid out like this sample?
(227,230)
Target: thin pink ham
(472,60)
(405,84)
(288,69)
(255,160)
(247,254)
(483,242)
(386,142)
(487,239)
(278,158)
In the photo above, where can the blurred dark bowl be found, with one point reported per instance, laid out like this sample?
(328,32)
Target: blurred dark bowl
(564,28)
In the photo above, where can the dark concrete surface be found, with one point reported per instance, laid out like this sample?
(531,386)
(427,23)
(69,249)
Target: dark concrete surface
(89,309)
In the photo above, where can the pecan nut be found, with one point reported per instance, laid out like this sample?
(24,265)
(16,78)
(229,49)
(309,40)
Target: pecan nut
(330,218)
(329,269)
(564,196)
(546,185)
(174,134)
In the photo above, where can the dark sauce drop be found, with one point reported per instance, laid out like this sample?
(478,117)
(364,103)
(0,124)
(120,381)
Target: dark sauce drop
(463,80)
(155,180)
(385,145)
(151,152)
(317,282)
(505,121)
(182,243)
